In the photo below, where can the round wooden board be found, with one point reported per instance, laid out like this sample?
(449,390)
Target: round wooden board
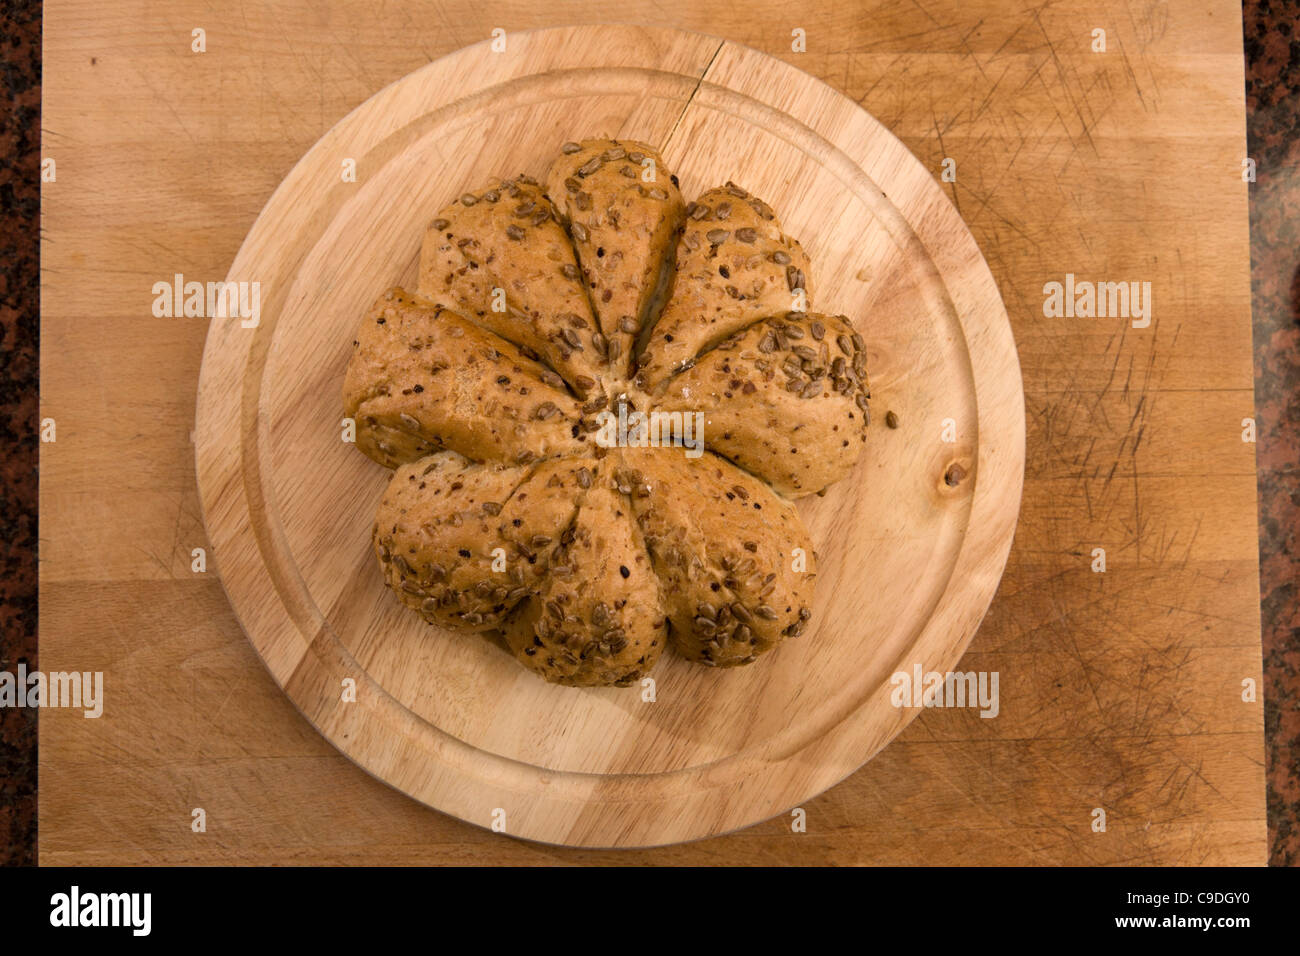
(907,563)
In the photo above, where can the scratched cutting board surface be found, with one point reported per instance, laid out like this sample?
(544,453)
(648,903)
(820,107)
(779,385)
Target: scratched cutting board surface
(908,556)
(1120,691)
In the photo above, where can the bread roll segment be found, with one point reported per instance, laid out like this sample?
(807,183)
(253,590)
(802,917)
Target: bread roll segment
(464,543)
(502,258)
(623,209)
(736,564)
(434,534)
(734,265)
(423,378)
(597,618)
(786,399)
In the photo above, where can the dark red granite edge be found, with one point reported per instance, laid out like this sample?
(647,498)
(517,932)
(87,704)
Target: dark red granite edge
(20,146)
(1272,46)
(1272,39)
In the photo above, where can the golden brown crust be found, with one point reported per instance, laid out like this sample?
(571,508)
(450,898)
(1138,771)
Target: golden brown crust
(736,564)
(502,258)
(596,619)
(734,265)
(423,378)
(624,209)
(464,543)
(434,534)
(786,399)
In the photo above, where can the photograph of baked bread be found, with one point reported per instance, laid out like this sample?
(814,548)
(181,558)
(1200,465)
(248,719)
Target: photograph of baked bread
(746,434)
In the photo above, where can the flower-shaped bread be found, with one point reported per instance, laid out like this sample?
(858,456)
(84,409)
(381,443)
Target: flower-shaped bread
(544,314)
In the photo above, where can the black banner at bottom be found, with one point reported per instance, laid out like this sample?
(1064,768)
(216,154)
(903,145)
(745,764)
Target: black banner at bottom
(335,906)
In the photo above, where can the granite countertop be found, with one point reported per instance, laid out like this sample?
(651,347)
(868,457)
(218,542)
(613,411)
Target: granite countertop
(1273,134)
(20,144)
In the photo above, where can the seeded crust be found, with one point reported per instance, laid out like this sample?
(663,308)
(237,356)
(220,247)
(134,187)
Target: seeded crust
(724,547)
(786,399)
(734,265)
(433,523)
(509,237)
(423,378)
(464,543)
(597,623)
(503,513)
(623,227)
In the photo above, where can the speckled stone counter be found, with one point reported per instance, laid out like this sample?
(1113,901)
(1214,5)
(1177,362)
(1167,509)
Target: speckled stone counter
(20,138)
(1272,38)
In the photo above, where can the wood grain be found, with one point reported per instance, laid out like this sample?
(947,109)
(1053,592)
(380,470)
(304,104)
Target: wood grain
(1121,690)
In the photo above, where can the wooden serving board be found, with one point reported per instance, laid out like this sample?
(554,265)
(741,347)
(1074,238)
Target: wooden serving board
(908,556)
